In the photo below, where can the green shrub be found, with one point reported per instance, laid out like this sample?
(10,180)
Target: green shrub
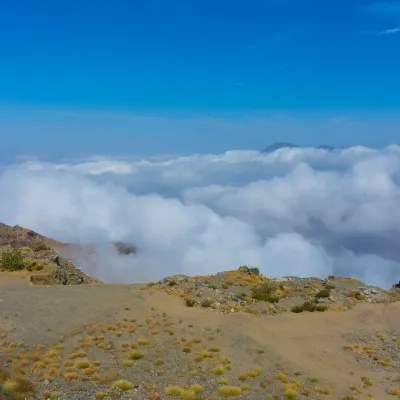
(11,260)
(271,298)
(310,307)
(265,291)
(297,309)
(189,302)
(323,293)
(40,246)
(242,296)
(39,266)
(254,271)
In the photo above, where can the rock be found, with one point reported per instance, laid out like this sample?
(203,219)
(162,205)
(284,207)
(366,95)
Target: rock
(332,298)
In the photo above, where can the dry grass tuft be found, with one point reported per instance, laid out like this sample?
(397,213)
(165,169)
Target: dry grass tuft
(122,385)
(229,391)
(136,355)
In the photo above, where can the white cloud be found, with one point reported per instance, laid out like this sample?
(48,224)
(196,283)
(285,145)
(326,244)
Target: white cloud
(389,31)
(292,212)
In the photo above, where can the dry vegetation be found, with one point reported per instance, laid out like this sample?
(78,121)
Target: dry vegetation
(246,290)
(226,341)
(96,362)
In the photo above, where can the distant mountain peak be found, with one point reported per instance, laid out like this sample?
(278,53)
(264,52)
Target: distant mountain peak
(285,145)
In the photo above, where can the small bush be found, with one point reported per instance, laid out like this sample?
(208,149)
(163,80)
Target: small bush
(197,388)
(82,364)
(144,341)
(11,260)
(265,291)
(122,385)
(325,391)
(39,267)
(40,246)
(254,271)
(324,293)
(270,298)
(229,391)
(297,309)
(173,391)
(188,395)
(253,373)
(135,355)
(189,302)
(225,286)
(357,295)
(309,306)
(218,370)
(69,376)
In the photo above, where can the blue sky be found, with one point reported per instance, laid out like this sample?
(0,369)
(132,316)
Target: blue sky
(81,77)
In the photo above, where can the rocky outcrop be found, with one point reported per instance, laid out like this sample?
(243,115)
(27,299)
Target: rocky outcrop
(62,272)
(245,290)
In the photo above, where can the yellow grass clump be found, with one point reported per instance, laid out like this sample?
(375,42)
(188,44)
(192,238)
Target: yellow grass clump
(135,355)
(82,364)
(144,341)
(69,376)
(218,370)
(197,388)
(128,363)
(122,385)
(173,391)
(325,391)
(229,391)
(254,373)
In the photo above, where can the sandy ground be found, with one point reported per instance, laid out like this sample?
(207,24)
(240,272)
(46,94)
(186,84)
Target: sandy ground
(15,278)
(309,345)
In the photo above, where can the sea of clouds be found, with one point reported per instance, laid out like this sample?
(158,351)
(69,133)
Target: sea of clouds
(294,212)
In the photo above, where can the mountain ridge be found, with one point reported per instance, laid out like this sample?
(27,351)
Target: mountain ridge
(287,145)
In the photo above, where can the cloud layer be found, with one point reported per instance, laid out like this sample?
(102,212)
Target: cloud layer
(303,212)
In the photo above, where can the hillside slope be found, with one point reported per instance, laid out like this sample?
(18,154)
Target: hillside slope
(36,259)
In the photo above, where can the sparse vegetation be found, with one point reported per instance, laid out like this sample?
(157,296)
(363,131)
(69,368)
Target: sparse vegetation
(102,360)
(122,385)
(265,291)
(229,391)
(310,307)
(190,302)
(11,259)
(323,293)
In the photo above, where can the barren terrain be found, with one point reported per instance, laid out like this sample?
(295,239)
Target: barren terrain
(290,355)
(236,334)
